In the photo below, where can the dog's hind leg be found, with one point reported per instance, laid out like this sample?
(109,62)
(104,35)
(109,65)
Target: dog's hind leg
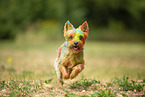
(59,74)
(60,80)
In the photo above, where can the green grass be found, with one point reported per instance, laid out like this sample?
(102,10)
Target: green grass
(21,88)
(27,70)
(125,85)
(83,84)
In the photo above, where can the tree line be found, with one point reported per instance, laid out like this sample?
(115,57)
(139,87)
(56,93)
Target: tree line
(16,15)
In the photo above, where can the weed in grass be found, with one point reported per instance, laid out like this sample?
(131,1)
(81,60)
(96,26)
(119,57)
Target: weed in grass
(48,81)
(103,93)
(74,95)
(2,68)
(70,95)
(83,84)
(10,69)
(125,84)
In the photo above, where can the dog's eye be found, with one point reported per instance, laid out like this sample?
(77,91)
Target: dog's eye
(80,37)
(70,37)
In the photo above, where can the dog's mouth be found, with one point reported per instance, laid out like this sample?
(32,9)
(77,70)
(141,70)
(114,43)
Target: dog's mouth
(76,48)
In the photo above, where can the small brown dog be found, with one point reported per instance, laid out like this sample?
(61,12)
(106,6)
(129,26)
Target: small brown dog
(70,60)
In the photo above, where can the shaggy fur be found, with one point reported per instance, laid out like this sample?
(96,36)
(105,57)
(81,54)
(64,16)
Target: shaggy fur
(70,60)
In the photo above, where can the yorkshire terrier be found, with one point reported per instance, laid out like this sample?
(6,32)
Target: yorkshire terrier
(70,60)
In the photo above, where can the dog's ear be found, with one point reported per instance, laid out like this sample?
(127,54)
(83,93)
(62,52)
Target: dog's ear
(67,26)
(84,27)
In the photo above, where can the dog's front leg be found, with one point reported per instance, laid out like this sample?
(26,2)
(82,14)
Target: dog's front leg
(63,75)
(64,72)
(76,70)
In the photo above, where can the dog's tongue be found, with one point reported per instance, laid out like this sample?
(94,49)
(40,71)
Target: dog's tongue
(75,48)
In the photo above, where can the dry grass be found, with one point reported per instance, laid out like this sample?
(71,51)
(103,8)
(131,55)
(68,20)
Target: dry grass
(108,60)
(104,61)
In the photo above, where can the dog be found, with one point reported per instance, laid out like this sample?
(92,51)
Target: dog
(70,59)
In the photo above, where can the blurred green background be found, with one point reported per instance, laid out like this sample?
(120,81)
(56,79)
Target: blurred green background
(32,30)
(43,20)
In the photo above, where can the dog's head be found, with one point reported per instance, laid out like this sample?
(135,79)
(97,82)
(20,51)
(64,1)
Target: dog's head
(76,37)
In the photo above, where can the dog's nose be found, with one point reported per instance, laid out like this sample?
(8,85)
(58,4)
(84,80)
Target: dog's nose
(75,43)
